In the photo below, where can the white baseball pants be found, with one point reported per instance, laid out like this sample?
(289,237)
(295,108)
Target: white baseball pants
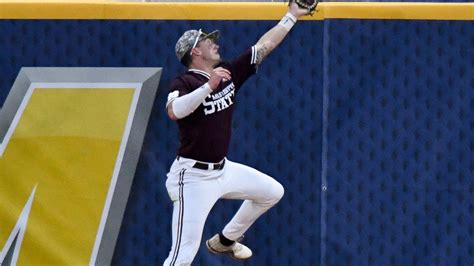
(194,192)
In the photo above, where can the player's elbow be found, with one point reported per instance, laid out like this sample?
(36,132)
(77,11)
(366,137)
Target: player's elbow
(263,49)
(170,112)
(172,116)
(266,46)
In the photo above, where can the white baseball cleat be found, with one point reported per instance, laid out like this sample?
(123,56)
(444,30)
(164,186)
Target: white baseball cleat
(236,251)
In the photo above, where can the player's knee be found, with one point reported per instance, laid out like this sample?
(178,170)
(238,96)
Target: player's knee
(277,192)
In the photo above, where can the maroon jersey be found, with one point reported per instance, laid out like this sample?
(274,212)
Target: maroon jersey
(205,134)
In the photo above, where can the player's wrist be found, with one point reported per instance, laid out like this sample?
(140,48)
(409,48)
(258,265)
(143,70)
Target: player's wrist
(288,21)
(207,87)
(212,85)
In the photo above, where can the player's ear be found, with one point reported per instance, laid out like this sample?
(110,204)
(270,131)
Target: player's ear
(196,51)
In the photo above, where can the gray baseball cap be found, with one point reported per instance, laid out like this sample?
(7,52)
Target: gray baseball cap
(189,40)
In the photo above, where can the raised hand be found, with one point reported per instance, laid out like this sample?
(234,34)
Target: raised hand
(297,11)
(217,75)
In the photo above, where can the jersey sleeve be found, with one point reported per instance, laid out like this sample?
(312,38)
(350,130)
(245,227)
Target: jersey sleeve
(177,88)
(244,66)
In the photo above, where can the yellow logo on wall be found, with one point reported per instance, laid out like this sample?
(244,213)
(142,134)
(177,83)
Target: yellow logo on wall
(60,161)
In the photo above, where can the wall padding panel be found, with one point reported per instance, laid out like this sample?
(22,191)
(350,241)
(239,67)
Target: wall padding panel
(400,142)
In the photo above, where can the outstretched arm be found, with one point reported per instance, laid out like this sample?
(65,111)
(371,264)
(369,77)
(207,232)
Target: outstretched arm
(272,38)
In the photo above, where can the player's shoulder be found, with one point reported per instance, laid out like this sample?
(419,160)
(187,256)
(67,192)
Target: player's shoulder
(183,77)
(246,57)
(179,81)
(188,80)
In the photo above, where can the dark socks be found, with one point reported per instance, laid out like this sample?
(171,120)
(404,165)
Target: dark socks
(225,241)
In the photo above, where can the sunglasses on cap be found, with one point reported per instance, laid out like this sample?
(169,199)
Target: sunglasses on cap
(196,41)
(204,35)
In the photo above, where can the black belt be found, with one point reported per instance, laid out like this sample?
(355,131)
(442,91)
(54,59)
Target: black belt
(208,166)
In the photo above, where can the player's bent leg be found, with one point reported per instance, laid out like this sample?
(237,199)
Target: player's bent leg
(260,192)
(247,183)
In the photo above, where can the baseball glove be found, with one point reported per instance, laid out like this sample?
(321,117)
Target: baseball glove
(309,5)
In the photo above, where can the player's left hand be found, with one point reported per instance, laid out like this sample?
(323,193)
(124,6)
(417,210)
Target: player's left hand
(299,11)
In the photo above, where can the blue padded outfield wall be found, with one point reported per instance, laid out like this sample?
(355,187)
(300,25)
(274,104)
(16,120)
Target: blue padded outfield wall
(367,122)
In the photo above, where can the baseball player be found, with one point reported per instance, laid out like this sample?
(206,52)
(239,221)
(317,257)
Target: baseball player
(202,102)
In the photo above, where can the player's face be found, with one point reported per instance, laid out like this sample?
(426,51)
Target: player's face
(210,50)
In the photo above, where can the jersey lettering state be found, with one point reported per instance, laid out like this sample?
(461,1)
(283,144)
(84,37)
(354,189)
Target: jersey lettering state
(220,101)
